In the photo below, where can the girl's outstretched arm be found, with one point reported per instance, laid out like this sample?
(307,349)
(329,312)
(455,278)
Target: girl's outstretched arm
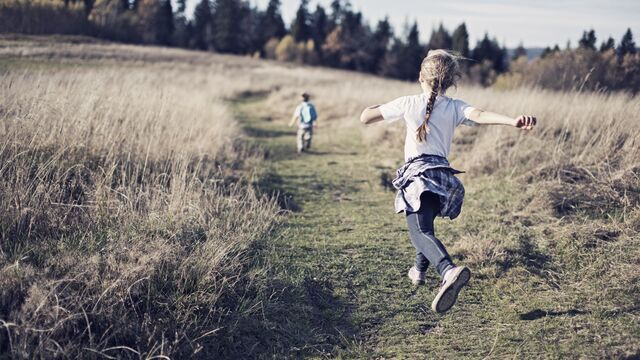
(371,115)
(482,117)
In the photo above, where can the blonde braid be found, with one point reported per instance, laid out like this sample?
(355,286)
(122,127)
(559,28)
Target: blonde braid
(423,129)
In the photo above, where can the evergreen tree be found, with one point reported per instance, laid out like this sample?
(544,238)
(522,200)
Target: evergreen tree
(181,31)
(588,40)
(627,45)
(164,23)
(336,13)
(319,27)
(349,45)
(384,32)
(490,50)
(549,51)
(351,20)
(505,59)
(382,37)
(361,46)
(607,45)
(440,39)
(227,26)
(272,24)
(300,28)
(189,35)
(519,51)
(390,66)
(404,59)
(251,38)
(460,40)
(202,25)
(88,6)
(414,53)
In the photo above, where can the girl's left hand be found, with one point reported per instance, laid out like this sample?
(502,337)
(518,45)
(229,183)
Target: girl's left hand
(525,122)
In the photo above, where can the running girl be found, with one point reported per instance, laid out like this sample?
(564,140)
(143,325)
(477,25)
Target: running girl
(426,183)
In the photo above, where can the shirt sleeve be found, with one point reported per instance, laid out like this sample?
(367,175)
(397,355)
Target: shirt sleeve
(393,110)
(296,112)
(463,111)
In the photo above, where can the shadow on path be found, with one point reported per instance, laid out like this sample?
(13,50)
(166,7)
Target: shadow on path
(271,184)
(257,132)
(287,320)
(538,314)
(345,153)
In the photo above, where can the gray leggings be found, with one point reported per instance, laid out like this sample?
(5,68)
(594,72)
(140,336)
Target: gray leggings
(421,230)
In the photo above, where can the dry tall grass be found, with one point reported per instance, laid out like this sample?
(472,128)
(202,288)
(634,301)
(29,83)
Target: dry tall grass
(124,218)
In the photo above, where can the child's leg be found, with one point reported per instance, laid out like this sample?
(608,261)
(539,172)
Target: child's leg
(421,231)
(300,139)
(308,135)
(422,263)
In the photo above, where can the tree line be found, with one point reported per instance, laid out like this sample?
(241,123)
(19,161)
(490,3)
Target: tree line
(589,66)
(337,36)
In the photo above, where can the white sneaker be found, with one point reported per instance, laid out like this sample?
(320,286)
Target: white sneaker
(452,283)
(417,277)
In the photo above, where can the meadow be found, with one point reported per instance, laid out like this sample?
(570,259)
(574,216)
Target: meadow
(152,205)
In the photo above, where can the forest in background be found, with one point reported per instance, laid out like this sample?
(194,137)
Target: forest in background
(337,37)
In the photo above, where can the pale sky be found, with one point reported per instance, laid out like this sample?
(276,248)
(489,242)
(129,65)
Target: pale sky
(536,23)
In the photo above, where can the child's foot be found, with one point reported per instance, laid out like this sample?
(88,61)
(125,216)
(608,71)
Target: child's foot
(452,283)
(417,277)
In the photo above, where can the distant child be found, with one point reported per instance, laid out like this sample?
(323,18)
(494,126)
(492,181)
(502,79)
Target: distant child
(426,183)
(306,116)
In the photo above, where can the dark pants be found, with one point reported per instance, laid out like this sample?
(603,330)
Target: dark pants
(421,230)
(304,138)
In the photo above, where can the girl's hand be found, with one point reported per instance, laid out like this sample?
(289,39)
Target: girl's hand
(525,122)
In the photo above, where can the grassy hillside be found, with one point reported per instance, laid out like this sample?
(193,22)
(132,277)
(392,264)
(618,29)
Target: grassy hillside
(139,215)
(125,211)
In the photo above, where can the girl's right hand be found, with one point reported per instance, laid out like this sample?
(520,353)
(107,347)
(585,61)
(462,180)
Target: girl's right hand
(525,122)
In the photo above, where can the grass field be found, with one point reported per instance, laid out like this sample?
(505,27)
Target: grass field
(140,196)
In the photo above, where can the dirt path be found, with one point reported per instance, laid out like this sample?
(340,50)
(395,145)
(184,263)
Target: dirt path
(338,267)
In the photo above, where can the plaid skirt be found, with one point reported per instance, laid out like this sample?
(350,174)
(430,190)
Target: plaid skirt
(429,173)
